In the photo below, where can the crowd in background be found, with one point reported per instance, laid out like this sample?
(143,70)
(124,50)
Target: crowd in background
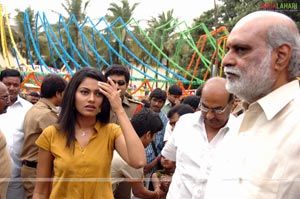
(237,137)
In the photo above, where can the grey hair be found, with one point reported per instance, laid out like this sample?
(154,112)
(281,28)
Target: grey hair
(284,34)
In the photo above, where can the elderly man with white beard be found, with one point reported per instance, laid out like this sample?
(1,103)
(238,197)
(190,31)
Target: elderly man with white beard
(261,160)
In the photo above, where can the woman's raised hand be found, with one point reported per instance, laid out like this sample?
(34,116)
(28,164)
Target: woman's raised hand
(110,90)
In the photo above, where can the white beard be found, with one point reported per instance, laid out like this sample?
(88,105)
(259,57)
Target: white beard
(254,82)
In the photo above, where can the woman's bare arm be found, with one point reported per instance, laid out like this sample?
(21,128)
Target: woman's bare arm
(43,183)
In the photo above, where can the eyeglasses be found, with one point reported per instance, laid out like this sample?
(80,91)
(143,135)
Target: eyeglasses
(214,110)
(119,82)
(5,98)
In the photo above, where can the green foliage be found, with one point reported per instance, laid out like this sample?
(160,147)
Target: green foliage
(161,30)
(124,11)
(230,11)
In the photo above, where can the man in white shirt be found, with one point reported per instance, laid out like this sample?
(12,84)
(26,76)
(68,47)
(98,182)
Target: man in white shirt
(174,114)
(195,139)
(261,160)
(12,127)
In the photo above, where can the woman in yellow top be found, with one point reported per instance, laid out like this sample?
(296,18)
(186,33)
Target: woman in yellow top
(75,154)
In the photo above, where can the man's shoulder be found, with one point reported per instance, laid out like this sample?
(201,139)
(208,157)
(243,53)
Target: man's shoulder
(119,164)
(25,104)
(193,117)
(163,116)
(131,106)
(41,112)
(117,161)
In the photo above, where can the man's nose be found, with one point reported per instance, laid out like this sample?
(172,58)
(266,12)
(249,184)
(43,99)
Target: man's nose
(210,114)
(228,59)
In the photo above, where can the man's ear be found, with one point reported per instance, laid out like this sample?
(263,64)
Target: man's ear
(282,57)
(148,135)
(57,94)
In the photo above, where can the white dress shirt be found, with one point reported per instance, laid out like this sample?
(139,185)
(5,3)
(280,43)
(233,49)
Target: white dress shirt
(168,132)
(193,153)
(261,160)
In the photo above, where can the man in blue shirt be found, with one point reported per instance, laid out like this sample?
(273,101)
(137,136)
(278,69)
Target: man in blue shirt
(157,100)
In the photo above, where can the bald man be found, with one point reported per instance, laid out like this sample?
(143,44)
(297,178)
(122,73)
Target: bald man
(4,98)
(5,163)
(195,139)
(11,124)
(261,160)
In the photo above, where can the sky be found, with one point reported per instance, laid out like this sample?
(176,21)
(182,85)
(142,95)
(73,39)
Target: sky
(184,10)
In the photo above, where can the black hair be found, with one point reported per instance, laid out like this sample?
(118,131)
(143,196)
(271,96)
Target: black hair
(117,69)
(67,117)
(34,94)
(180,109)
(11,73)
(146,103)
(191,100)
(51,84)
(146,120)
(158,94)
(175,90)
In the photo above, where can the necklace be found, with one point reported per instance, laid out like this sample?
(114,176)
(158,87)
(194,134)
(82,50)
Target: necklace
(83,133)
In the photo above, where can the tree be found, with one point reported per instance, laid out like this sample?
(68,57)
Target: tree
(74,7)
(230,11)
(21,43)
(125,11)
(160,30)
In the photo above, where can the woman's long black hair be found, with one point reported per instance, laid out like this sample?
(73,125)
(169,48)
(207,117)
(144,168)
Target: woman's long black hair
(67,118)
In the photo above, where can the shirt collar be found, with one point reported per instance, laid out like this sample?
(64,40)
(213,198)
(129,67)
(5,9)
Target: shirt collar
(232,121)
(19,101)
(98,126)
(168,102)
(275,101)
(125,102)
(49,104)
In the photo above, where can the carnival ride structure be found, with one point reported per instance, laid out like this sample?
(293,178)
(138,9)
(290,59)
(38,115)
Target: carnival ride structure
(148,68)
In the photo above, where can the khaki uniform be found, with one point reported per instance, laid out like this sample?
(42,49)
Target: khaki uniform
(130,106)
(5,166)
(40,116)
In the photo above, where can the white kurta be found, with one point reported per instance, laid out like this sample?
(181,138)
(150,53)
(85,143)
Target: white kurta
(261,160)
(189,147)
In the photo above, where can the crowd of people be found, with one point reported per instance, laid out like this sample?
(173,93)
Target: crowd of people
(237,137)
